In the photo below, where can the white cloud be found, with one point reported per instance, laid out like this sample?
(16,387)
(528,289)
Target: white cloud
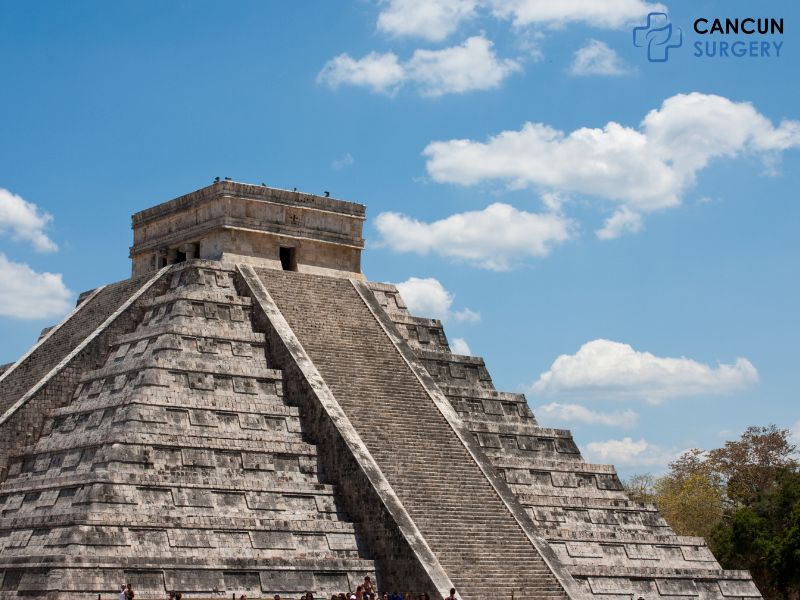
(611,14)
(24,221)
(460,346)
(428,298)
(638,170)
(556,414)
(691,129)
(26,294)
(467,315)
(343,162)
(628,452)
(473,65)
(596,58)
(607,369)
(496,238)
(622,221)
(436,19)
(378,72)
(430,19)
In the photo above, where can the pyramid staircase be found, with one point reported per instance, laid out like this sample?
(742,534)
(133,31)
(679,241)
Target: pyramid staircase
(176,463)
(481,545)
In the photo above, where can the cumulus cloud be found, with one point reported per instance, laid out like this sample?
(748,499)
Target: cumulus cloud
(596,58)
(430,19)
(637,170)
(460,346)
(467,315)
(628,452)
(622,221)
(378,72)
(26,294)
(607,369)
(611,14)
(436,19)
(496,238)
(557,414)
(24,221)
(472,65)
(428,298)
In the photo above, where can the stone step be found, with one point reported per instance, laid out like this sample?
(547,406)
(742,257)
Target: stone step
(195,400)
(198,364)
(197,294)
(458,512)
(202,329)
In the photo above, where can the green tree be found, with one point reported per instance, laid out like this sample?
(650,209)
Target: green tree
(744,498)
(764,537)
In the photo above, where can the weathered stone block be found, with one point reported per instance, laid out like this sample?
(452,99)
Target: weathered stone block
(273,539)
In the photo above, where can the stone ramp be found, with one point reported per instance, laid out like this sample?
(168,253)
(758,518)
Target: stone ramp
(468,526)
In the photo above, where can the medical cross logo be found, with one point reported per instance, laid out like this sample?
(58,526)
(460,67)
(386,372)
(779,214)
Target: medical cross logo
(658,37)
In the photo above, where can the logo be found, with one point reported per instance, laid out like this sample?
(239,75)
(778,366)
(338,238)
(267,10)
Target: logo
(658,37)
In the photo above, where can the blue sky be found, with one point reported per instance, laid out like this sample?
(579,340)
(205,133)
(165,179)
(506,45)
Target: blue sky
(618,238)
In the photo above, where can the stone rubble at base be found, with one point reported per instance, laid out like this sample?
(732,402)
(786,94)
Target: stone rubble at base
(220,426)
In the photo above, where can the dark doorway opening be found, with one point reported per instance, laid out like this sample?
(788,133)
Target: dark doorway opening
(180,257)
(288,259)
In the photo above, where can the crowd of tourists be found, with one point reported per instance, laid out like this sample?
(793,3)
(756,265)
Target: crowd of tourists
(366,591)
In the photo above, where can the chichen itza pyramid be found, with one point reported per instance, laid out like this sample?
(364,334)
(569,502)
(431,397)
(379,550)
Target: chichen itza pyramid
(247,414)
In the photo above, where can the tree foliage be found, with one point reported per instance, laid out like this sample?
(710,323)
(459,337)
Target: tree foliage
(744,498)
(764,537)
(750,465)
(691,503)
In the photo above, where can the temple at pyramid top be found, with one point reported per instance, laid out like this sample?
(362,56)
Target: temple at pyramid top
(243,223)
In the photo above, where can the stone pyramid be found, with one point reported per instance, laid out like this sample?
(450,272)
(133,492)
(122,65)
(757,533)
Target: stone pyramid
(248,415)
